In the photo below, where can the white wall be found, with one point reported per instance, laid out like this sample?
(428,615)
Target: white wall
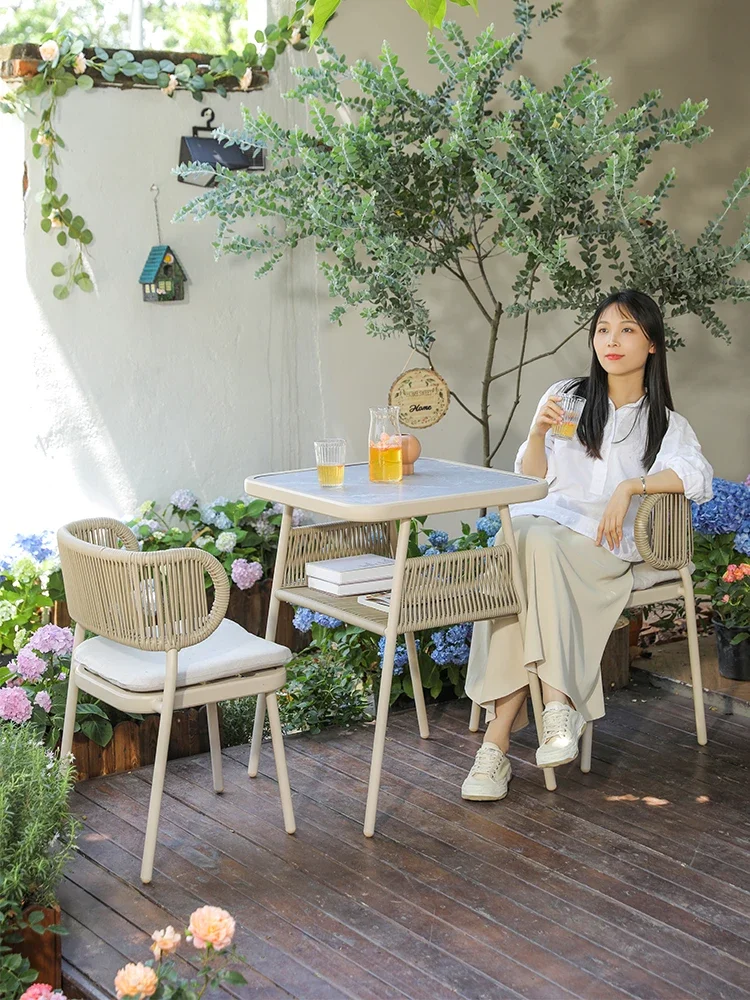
(110,401)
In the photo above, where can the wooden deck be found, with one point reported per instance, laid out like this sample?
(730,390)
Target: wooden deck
(632,881)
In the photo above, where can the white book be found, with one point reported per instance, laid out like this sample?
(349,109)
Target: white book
(352,569)
(347,589)
(381,602)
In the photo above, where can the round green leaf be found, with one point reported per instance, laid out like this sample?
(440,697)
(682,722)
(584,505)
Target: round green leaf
(260,37)
(58,269)
(182,72)
(101,54)
(269,59)
(166,65)
(61,291)
(46,225)
(131,69)
(162,80)
(111,67)
(150,72)
(62,239)
(76,47)
(86,236)
(122,57)
(197,83)
(85,283)
(85,82)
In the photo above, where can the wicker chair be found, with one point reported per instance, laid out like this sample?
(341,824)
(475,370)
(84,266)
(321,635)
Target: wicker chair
(664,537)
(159,647)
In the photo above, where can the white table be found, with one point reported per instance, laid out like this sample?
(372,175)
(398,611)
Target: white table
(377,518)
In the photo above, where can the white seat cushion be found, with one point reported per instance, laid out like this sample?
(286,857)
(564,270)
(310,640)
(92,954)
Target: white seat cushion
(228,652)
(645,576)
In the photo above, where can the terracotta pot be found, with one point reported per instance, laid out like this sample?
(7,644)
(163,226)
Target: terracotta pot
(44,951)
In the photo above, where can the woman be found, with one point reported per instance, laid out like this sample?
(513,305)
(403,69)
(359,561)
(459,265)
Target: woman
(576,546)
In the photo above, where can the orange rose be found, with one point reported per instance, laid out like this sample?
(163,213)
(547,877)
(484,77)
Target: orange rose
(135,981)
(165,942)
(210,925)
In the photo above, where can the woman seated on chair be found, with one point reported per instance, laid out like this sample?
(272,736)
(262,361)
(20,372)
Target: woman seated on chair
(576,546)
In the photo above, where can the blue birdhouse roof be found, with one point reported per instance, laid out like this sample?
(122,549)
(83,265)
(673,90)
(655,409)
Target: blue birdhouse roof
(154,262)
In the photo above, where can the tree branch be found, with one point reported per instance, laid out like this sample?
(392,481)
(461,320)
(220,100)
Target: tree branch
(538,357)
(465,407)
(517,399)
(473,294)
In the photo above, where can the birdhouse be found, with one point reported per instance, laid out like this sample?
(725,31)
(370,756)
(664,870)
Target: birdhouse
(163,277)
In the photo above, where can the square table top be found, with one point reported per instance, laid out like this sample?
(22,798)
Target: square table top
(436,487)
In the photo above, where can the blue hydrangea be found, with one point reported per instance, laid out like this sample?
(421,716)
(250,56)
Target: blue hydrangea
(326,620)
(303,619)
(742,540)
(452,645)
(183,499)
(489,524)
(37,546)
(209,514)
(729,510)
(222,522)
(429,550)
(400,658)
(438,538)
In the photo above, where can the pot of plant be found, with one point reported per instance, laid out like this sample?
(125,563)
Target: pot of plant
(733,648)
(37,842)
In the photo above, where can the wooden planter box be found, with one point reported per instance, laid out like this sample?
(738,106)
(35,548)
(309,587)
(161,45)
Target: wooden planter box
(44,951)
(134,743)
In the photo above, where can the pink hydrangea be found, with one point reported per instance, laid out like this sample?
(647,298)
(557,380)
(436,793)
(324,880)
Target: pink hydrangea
(43,700)
(14,705)
(29,665)
(245,573)
(52,639)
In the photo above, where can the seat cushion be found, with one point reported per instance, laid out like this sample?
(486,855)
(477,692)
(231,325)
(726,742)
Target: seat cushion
(645,576)
(227,652)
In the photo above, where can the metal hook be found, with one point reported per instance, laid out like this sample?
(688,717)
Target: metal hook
(155,187)
(209,115)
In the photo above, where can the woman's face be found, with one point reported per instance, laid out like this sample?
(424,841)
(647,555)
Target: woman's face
(621,345)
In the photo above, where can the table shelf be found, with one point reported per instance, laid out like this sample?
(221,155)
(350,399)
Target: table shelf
(347,609)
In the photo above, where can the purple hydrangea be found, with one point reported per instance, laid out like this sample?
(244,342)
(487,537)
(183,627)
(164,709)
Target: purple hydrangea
(183,499)
(44,701)
(325,620)
(303,619)
(52,639)
(37,546)
(728,510)
(14,705)
(29,665)
(452,645)
(245,573)
(742,540)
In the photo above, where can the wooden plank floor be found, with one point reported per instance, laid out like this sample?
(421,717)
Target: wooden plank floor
(631,881)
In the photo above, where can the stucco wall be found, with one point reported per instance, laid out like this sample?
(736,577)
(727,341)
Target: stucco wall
(109,400)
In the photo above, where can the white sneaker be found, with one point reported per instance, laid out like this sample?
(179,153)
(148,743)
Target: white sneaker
(489,776)
(563,728)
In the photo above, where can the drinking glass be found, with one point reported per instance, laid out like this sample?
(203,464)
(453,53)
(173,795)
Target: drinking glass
(572,407)
(329,456)
(386,455)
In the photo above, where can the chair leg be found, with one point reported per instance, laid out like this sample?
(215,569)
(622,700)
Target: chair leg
(536,700)
(277,740)
(260,719)
(214,742)
(160,767)
(71,705)
(695,658)
(586,744)
(416,683)
(476,711)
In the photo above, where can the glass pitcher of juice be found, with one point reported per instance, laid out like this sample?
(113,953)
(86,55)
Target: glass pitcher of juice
(386,459)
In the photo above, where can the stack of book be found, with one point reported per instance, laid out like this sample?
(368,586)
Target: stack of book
(351,575)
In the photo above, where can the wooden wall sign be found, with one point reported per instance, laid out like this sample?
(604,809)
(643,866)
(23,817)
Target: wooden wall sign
(422,395)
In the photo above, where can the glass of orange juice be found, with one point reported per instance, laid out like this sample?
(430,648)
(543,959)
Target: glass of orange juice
(572,407)
(329,456)
(386,455)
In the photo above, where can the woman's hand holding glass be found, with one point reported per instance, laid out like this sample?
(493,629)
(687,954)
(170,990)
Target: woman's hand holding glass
(550,415)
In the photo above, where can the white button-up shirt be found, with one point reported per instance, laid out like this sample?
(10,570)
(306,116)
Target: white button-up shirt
(580,487)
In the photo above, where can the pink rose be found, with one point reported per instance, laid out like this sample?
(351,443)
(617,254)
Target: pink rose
(211,925)
(42,991)
(725,599)
(135,981)
(165,942)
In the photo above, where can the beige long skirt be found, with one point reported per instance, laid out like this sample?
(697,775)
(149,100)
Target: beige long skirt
(576,590)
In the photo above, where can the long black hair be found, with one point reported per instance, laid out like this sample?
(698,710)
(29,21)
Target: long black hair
(594,387)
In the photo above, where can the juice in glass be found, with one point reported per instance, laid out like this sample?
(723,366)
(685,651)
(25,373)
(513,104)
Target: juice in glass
(329,457)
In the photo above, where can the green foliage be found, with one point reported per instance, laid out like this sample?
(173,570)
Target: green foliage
(37,830)
(432,12)
(323,688)
(27,590)
(16,973)
(392,183)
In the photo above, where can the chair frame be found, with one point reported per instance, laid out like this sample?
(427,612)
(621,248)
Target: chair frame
(663,534)
(156,601)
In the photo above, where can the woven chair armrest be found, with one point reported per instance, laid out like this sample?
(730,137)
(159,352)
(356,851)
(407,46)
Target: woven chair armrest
(456,587)
(664,531)
(104,531)
(333,540)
